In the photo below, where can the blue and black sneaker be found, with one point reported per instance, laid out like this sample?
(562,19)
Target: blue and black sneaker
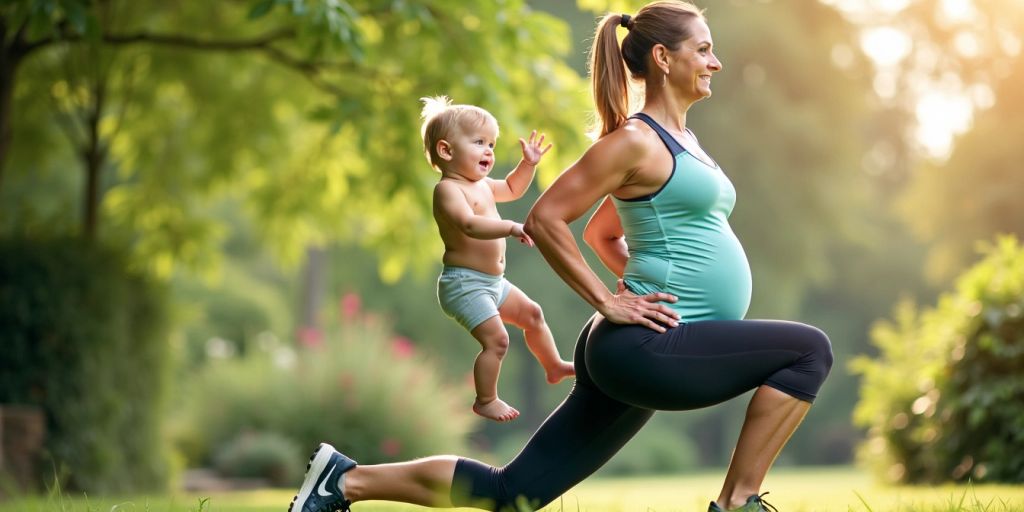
(321,490)
(755,503)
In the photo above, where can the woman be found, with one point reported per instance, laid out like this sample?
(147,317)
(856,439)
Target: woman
(671,337)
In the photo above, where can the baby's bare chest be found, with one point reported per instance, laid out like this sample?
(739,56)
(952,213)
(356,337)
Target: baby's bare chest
(481,200)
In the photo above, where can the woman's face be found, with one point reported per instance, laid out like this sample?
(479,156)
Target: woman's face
(691,66)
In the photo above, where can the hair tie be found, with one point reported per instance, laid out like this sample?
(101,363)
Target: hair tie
(624,22)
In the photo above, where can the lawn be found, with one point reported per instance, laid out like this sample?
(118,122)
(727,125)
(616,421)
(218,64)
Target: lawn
(792,490)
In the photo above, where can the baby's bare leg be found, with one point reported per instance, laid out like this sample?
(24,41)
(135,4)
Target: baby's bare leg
(526,314)
(493,339)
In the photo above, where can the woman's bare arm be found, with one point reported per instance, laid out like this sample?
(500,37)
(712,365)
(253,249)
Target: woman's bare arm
(604,168)
(604,235)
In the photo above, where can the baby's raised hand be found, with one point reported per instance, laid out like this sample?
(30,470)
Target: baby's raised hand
(532,151)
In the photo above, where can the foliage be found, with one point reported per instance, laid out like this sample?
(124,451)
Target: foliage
(945,139)
(326,128)
(85,340)
(976,192)
(945,398)
(657,449)
(269,456)
(358,386)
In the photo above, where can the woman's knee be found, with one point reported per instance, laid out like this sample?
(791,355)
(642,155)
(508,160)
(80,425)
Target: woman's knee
(820,349)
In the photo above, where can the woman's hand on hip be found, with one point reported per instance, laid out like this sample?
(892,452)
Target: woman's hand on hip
(626,307)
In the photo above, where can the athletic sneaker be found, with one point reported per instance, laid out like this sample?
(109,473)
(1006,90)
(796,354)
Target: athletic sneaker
(754,504)
(320,491)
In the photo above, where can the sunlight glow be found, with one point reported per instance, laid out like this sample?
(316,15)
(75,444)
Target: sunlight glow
(858,7)
(886,46)
(1009,41)
(957,10)
(983,96)
(842,56)
(967,44)
(885,84)
(943,107)
(941,117)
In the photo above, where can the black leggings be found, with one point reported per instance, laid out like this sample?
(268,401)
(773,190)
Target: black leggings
(626,372)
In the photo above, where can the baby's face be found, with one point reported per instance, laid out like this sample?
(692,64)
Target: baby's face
(472,149)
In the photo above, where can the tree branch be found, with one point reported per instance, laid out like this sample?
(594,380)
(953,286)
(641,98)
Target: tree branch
(310,69)
(174,40)
(182,41)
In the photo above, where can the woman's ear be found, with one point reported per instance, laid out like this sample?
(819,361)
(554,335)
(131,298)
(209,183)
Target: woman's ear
(660,57)
(444,149)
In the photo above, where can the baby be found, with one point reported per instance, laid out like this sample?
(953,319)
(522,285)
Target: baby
(459,143)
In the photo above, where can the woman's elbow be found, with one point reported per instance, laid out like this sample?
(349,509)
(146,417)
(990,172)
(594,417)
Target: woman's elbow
(536,222)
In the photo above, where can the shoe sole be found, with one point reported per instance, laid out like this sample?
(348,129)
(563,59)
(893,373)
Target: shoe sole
(317,462)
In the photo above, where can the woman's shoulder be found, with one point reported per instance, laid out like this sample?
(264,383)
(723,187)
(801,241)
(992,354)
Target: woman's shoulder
(634,138)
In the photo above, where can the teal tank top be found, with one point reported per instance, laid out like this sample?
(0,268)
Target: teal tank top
(680,241)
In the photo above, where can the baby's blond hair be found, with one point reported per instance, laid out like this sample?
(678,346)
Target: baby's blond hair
(441,118)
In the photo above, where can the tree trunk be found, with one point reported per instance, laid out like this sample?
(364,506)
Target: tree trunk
(94,156)
(10,57)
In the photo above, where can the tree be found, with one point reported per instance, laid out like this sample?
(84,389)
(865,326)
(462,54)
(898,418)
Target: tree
(976,193)
(941,60)
(307,111)
(943,399)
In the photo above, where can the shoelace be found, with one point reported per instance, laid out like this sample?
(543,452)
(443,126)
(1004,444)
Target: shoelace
(764,504)
(346,506)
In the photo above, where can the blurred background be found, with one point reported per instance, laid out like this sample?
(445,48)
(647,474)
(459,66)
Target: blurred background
(216,246)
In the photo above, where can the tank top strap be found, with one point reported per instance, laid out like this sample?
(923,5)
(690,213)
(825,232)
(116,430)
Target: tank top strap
(670,142)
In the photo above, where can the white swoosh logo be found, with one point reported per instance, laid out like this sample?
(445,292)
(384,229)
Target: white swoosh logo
(322,490)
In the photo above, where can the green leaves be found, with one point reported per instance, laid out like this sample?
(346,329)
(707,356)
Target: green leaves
(944,399)
(50,18)
(261,8)
(312,124)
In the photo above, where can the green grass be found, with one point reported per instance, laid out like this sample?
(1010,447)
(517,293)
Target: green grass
(792,490)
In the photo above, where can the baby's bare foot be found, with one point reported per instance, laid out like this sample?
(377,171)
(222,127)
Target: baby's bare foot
(561,371)
(496,410)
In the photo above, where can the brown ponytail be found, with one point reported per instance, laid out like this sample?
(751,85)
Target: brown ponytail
(665,22)
(608,77)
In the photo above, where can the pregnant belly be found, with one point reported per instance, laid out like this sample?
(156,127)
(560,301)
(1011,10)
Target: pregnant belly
(710,286)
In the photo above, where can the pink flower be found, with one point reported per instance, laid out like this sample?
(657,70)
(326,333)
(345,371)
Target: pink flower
(402,347)
(310,337)
(390,447)
(351,304)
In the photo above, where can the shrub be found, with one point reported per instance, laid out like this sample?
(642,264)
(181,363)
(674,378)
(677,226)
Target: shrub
(84,339)
(263,455)
(659,448)
(358,387)
(945,398)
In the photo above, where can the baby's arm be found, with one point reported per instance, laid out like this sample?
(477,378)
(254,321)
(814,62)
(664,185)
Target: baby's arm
(450,204)
(516,182)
